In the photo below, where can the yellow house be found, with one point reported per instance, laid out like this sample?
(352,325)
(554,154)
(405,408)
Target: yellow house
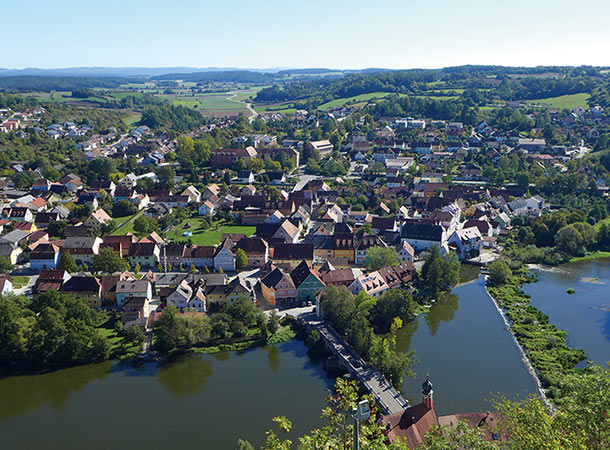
(344,247)
(292,254)
(236,290)
(216,296)
(323,253)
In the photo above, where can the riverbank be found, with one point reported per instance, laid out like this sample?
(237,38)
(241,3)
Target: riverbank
(285,334)
(543,345)
(526,361)
(591,256)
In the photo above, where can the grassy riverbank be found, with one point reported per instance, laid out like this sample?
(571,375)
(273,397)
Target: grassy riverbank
(543,343)
(590,256)
(284,334)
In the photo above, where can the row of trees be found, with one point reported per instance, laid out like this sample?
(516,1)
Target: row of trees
(359,317)
(55,330)
(174,331)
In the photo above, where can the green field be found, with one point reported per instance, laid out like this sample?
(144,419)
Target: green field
(221,103)
(446,91)
(211,236)
(67,97)
(564,101)
(357,98)
(132,118)
(590,256)
(282,108)
(122,95)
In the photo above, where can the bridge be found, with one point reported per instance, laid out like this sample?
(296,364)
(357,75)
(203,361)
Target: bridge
(390,400)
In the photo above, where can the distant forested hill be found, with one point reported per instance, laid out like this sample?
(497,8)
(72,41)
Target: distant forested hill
(28,83)
(504,83)
(230,76)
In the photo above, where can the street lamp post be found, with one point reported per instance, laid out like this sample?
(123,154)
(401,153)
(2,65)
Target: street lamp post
(362,412)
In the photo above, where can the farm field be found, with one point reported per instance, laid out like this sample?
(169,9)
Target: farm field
(213,103)
(445,91)
(357,98)
(122,95)
(564,101)
(67,97)
(436,97)
(210,236)
(276,107)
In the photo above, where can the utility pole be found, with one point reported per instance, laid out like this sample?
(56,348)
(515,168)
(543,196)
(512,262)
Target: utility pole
(362,412)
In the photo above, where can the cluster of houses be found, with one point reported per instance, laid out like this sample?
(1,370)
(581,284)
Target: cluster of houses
(305,239)
(14,121)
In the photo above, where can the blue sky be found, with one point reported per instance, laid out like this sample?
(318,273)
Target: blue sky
(310,33)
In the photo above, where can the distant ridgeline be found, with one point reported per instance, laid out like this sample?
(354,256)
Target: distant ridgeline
(34,83)
(226,76)
(475,84)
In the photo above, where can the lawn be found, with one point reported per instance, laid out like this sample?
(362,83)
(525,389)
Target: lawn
(127,224)
(119,347)
(211,236)
(565,101)
(19,281)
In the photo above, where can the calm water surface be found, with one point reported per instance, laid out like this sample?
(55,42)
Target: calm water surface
(584,315)
(470,355)
(198,402)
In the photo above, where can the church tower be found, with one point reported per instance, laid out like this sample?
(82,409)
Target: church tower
(427,393)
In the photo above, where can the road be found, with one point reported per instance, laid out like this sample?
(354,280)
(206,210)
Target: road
(147,341)
(248,106)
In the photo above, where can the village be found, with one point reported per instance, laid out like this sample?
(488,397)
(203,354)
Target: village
(148,221)
(302,235)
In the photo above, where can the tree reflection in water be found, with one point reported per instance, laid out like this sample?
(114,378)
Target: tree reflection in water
(442,311)
(186,375)
(27,393)
(273,356)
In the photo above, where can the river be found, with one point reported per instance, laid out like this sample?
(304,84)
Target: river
(584,315)
(471,357)
(209,401)
(198,402)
